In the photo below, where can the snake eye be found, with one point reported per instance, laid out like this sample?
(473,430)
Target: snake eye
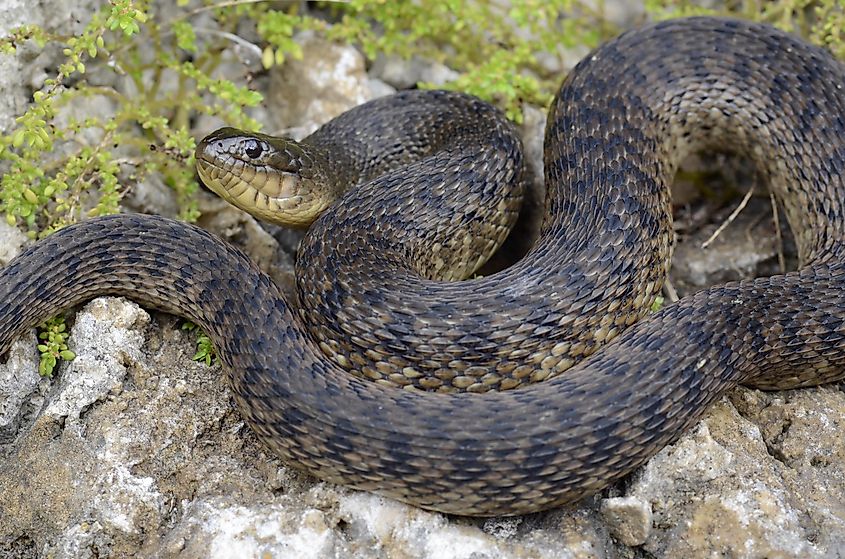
(253,149)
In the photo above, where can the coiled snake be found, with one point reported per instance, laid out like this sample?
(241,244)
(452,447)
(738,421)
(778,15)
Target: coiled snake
(370,268)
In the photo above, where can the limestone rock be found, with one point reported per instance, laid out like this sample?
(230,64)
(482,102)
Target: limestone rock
(628,518)
(405,74)
(11,242)
(329,80)
(18,380)
(723,490)
(21,71)
(120,448)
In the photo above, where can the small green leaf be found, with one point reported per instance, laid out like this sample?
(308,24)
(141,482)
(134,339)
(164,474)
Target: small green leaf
(267,58)
(30,196)
(657,304)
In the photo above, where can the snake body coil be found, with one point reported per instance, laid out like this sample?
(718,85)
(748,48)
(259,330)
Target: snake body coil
(370,269)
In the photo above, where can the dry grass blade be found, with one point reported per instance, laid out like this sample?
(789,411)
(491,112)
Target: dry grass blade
(730,218)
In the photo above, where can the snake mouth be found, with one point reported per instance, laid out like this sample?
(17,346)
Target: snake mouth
(242,182)
(263,191)
(265,176)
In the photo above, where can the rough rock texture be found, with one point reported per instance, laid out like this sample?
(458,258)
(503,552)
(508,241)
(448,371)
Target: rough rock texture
(11,241)
(134,450)
(30,61)
(730,487)
(405,74)
(18,381)
(329,80)
(103,460)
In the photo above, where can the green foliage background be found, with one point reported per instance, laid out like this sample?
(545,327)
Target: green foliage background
(57,169)
(53,174)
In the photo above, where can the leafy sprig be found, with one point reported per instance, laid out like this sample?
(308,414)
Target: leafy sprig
(52,346)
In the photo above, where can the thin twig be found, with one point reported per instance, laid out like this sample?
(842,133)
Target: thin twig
(670,291)
(730,218)
(776,219)
(256,50)
(232,3)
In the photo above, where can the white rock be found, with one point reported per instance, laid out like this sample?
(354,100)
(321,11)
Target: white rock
(628,518)
(12,241)
(104,336)
(18,379)
(330,79)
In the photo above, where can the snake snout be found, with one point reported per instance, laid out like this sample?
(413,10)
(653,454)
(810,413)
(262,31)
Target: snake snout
(259,174)
(227,145)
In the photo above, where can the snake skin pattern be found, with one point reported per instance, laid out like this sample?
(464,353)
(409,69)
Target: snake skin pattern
(616,131)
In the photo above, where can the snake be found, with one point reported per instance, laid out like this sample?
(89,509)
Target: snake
(398,370)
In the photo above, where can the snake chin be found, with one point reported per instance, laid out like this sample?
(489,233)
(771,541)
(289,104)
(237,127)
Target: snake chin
(272,196)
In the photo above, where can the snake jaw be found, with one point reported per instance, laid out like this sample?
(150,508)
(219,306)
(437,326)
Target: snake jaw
(265,176)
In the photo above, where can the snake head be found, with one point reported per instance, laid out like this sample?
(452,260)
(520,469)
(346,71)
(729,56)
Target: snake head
(272,178)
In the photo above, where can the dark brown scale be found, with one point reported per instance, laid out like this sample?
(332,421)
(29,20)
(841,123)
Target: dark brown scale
(622,120)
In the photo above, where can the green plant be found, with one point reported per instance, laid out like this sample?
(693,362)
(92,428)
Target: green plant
(205,348)
(657,304)
(493,45)
(53,345)
(821,21)
(60,165)
(156,74)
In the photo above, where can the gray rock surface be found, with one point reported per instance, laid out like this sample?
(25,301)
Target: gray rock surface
(329,80)
(405,74)
(12,241)
(134,450)
(628,518)
(19,380)
(728,488)
(24,69)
